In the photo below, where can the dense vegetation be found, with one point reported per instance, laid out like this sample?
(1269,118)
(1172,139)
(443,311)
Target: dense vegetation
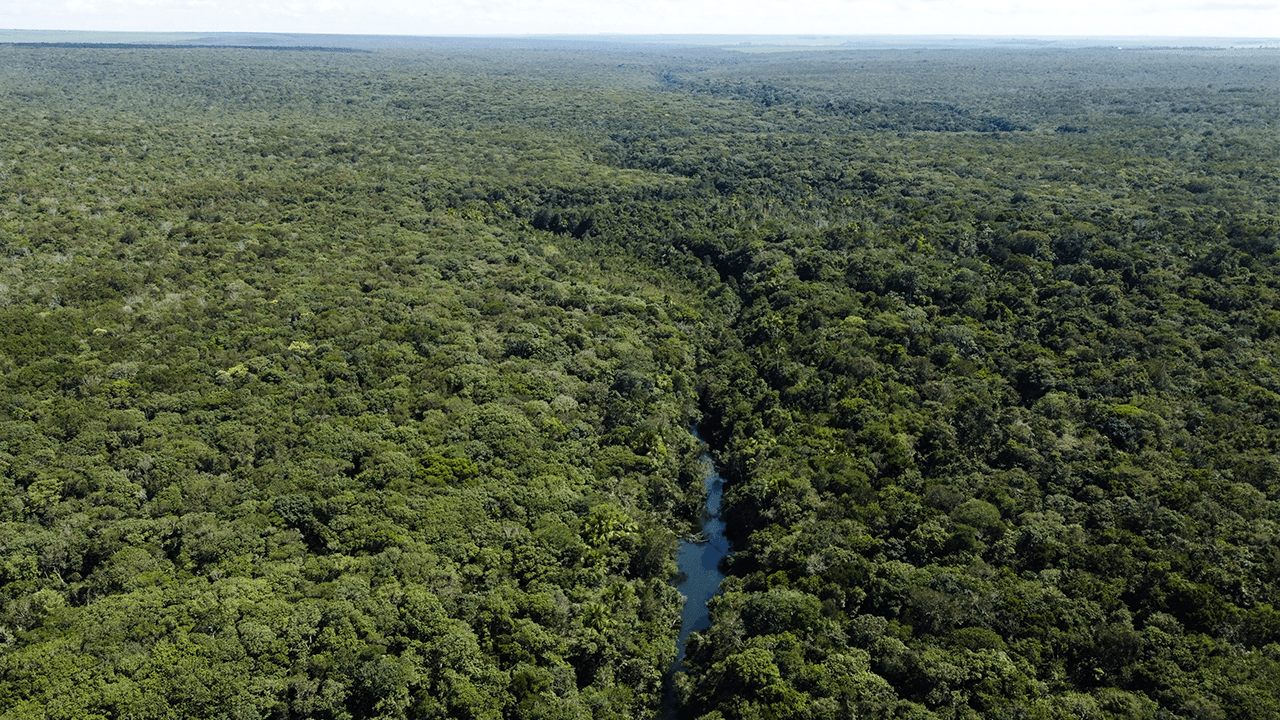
(357,385)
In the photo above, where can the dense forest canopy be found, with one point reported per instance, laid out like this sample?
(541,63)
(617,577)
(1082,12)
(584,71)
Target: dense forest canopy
(359,384)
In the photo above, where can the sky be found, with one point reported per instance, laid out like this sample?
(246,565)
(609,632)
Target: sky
(1176,18)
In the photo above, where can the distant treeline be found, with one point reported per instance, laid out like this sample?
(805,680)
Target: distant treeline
(154,46)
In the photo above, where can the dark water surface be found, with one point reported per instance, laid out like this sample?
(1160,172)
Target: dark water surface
(700,575)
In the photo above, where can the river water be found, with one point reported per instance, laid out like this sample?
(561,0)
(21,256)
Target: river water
(700,576)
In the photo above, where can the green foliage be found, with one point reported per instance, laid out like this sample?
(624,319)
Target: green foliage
(358,385)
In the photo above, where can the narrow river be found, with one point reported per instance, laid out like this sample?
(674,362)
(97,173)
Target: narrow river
(700,576)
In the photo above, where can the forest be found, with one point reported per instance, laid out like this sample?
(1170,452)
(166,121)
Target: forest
(358,382)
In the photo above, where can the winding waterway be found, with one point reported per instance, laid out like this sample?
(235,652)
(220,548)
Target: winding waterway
(700,576)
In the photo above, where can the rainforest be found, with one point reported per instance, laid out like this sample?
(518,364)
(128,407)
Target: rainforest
(376,379)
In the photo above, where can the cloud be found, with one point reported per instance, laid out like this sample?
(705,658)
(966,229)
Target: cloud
(837,17)
(1242,6)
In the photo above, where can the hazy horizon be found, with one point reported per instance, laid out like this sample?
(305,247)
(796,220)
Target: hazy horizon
(747,42)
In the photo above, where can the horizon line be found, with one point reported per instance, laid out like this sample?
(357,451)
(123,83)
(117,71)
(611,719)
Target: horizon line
(795,35)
